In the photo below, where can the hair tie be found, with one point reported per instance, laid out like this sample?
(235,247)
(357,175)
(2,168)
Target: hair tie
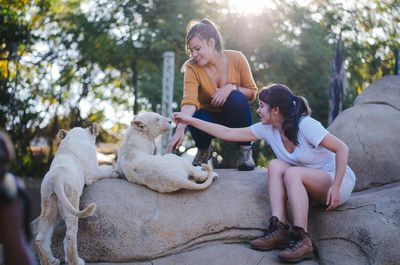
(294,100)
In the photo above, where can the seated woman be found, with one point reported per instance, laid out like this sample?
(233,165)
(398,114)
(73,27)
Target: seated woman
(218,86)
(310,162)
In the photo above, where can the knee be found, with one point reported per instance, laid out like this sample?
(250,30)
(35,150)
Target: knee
(291,176)
(202,114)
(276,167)
(236,99)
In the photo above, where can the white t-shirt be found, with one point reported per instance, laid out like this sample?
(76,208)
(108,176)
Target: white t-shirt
(308,153)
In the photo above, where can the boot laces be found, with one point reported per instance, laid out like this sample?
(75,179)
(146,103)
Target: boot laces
(272,228)
(294,244)
(295,241)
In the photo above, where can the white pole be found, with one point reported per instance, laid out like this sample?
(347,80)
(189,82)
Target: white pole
(167,95)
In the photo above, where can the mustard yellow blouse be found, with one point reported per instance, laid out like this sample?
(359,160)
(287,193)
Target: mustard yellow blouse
(198,87)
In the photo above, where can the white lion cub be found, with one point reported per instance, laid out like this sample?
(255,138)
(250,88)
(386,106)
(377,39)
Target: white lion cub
(74,165)
(165,173)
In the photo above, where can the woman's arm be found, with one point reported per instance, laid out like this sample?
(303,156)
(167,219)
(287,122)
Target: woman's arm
(219,131)
(248,86)
(249,93)
(341,150)
(179,135)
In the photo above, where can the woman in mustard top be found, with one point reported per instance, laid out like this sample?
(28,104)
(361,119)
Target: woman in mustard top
(218,86)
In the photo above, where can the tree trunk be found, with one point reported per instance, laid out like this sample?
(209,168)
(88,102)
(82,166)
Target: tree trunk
(336,83)
(135,88)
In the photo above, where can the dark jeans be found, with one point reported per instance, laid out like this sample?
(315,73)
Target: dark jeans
(235,113)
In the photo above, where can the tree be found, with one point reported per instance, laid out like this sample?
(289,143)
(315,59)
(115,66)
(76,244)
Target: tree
(370,35)
(18,115)
(336,83)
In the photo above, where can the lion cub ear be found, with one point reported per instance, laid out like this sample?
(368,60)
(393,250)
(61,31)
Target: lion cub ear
(61,134)
(94,128)
(138,125)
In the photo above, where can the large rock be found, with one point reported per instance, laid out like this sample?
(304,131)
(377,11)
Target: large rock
(370,129)
(383,91)
(141,227)
(134,223)
(366,230)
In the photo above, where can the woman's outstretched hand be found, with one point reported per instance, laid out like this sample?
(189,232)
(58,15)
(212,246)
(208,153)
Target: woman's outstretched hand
(180,117)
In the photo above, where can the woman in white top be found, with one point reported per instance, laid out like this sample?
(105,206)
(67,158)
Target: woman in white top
(310,162)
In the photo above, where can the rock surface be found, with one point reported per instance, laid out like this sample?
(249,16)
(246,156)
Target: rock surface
(134,223)
(221,254)
(138,226)
(371,130)
(365,230)
(384,91)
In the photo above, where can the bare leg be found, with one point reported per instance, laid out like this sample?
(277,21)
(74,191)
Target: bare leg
(301,182)
(276,188)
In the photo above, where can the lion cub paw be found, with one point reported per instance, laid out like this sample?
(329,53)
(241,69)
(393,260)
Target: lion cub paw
(215,175)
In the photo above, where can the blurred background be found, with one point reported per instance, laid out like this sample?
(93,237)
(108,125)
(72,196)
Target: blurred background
(67,63)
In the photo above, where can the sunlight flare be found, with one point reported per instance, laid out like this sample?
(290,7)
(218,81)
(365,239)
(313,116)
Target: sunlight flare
(248,6)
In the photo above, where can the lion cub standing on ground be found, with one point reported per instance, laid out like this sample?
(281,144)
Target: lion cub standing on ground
(74,165)
(165,173)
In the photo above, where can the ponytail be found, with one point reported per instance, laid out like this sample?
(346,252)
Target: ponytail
(299,107)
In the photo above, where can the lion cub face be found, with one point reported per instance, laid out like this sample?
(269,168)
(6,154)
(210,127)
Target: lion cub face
(151,124)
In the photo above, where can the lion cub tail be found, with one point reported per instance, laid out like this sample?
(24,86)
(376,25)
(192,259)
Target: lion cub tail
(201,186)
(66,204)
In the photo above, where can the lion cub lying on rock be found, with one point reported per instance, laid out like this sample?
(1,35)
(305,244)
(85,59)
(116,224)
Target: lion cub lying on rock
(166,173)
(73,166)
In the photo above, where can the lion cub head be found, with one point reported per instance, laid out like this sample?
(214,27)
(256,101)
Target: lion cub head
(151,124)
(78,135)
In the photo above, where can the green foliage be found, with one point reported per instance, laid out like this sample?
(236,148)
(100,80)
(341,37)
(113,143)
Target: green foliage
(63,62)
(370,31)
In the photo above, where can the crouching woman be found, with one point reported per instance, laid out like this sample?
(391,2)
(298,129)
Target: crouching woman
(310,162)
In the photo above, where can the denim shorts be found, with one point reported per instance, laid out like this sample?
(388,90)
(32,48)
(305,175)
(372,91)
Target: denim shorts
(348,183)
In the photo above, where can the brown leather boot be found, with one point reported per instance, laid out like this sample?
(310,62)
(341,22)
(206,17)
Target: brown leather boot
(276,236)
(202,156)
(300,246)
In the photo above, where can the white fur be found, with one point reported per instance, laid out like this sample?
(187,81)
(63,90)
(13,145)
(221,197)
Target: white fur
(165,173)
(74,165)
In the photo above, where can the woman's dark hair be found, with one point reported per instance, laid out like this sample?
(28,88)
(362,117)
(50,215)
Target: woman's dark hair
(205,30)
(290,106)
